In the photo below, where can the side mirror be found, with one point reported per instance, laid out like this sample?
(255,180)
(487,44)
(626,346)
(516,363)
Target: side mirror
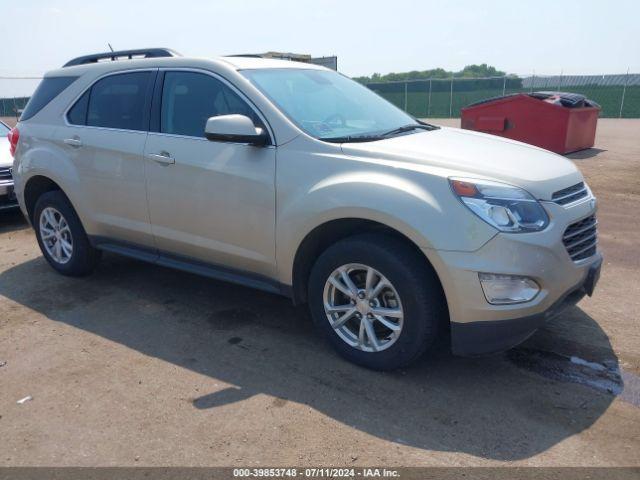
(235,129)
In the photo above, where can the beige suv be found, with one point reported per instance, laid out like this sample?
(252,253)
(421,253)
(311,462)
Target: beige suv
(292,178)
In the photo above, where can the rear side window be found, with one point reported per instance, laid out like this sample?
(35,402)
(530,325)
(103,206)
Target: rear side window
(48,89)
(117,101)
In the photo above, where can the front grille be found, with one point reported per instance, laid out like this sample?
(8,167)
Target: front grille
(8,201)
(570,194)
(580,238)
(5,173)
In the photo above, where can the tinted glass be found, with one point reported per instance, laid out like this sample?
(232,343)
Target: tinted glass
(78,113)
(118,101)
(4,130)
(189,99)
(327,104)
(48,89)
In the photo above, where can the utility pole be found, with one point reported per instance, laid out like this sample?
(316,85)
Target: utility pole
(624,91)
(451,98)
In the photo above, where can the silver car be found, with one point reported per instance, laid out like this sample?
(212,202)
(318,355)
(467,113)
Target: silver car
(8,199)
(292,178)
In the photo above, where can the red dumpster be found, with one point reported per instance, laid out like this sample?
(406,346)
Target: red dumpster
(558,121)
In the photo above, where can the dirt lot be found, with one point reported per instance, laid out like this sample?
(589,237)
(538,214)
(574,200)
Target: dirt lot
(140,365)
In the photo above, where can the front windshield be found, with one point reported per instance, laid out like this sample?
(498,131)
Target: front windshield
(4,130)
(326,104)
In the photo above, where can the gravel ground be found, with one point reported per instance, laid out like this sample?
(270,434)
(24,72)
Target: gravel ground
(141,365)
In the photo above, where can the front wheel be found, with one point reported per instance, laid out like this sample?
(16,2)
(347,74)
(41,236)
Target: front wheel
(376,300)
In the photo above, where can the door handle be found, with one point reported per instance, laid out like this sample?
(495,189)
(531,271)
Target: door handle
(162,158)
(73,142)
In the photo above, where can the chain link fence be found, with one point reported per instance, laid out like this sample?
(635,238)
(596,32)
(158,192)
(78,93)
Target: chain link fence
(618,95)
(14,95)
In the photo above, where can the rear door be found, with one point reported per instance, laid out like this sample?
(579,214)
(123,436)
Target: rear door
(104,135)
(209,201)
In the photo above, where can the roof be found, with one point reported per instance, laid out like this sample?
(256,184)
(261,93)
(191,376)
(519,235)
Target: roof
(236,63)
(245,63)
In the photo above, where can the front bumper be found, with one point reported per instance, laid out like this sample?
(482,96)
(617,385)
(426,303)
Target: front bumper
(481,338)
(7,196)
(478,327)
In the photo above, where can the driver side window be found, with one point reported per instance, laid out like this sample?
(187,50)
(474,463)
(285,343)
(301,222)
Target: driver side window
(190,98)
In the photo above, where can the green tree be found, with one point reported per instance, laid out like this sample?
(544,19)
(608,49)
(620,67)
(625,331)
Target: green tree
(479,71)
(470,71)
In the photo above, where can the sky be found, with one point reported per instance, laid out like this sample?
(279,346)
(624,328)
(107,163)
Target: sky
(522,37)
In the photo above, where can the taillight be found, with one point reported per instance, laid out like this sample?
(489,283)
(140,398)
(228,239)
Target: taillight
(14,136)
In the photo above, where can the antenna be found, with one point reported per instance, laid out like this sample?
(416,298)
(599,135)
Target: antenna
(110,47)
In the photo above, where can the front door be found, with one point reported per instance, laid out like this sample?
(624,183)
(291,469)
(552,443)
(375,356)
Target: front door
(208,201)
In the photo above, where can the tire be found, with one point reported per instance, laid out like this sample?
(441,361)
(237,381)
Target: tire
(415,297)
(82,258)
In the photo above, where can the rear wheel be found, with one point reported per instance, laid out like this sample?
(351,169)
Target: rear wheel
(61,237)
(376,301)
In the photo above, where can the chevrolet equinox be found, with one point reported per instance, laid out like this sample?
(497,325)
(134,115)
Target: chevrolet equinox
(294,179)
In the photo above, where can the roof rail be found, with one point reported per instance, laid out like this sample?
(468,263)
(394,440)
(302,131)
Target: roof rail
(123,54)
(246,55)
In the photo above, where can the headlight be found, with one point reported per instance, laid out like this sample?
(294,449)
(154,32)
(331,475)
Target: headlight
(505,207)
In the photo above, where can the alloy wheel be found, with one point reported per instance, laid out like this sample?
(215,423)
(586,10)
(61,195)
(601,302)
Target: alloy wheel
(56,235)
(363,307)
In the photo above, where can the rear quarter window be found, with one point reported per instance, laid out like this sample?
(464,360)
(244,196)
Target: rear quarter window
(49,88)
(78,113)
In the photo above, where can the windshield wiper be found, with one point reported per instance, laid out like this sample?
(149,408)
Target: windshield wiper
(379,136)
(408,128)
(352,138)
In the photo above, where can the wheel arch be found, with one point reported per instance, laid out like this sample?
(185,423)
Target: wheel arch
(35,187)
(326,234)
(44,167)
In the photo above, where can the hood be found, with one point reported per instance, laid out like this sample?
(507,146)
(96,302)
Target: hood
(456,152)
(6,160)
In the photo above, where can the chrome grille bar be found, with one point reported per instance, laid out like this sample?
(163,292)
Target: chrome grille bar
(568,236)
(570,194)
(580,241)
(5,173)
(585,249)
(580,238)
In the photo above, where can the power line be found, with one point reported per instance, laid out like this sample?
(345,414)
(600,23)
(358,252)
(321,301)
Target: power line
(19,78)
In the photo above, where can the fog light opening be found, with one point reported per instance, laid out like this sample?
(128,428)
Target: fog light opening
(502,289)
